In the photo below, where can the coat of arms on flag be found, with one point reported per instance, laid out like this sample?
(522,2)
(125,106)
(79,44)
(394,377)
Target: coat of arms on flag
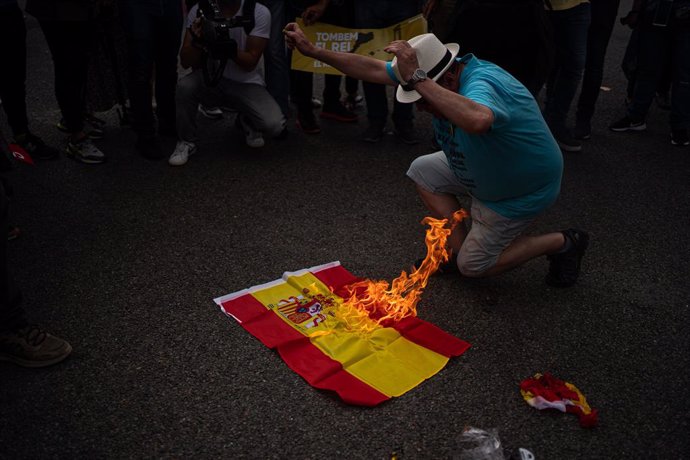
(309,318)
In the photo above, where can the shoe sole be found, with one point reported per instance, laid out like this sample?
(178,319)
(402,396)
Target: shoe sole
(336,117)
(569,148)
(36,364)
(86,161)
(641,127)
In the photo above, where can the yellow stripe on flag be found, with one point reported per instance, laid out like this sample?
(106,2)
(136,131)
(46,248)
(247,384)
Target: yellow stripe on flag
(385,360)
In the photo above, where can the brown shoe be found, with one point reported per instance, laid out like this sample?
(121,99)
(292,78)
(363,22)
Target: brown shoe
(32,347)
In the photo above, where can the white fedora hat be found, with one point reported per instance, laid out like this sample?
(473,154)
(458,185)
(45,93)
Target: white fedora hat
(434,58)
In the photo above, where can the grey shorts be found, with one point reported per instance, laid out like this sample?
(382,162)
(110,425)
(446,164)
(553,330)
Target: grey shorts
(490,233)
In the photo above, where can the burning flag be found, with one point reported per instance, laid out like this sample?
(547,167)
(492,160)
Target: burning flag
(359,338)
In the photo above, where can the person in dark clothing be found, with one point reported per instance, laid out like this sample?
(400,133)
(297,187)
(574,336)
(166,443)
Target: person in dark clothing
(499,31)
(603,17)
(13,79)
(68,27)
(154,32)
(21,342)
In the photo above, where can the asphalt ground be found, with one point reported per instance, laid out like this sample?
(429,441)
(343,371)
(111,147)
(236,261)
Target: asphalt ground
(124,259)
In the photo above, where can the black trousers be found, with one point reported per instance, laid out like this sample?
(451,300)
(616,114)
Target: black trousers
(154,31)
(13,73)
(69,43)
(603,13)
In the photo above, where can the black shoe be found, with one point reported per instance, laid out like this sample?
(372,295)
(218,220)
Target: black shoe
(307,122)
(374,133)
(35,146)
(566,141)
(406,133)
(628,124)
(679,137)
(564,267)
(149,148)
(582,131)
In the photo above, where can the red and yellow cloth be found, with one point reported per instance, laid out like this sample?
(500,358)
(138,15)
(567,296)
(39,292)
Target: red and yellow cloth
(548,392)
(290,315)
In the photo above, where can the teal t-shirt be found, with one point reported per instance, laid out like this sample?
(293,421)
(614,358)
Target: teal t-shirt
(515,168)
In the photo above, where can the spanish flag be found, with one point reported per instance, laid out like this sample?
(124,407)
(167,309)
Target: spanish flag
(291,315)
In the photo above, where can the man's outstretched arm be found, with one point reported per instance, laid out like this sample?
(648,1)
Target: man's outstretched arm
(357,66)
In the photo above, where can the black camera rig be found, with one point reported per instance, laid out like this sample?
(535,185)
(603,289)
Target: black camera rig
(215,36)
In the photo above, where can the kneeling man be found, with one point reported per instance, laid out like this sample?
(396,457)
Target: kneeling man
(496,147)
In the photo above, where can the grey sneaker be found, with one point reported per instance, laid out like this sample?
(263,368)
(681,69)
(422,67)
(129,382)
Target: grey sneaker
(85,151)
(32,347)
(183,150)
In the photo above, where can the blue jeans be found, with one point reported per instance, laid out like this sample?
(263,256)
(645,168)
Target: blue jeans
(376,14)
(154,32)
(658,45)
(604,14)
(570,28)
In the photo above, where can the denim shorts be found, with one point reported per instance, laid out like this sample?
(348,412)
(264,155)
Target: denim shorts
(490,233)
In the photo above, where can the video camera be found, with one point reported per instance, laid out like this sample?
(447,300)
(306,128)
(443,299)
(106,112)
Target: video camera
(215,29)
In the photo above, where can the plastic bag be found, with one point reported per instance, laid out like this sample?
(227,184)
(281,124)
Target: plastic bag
(478,444)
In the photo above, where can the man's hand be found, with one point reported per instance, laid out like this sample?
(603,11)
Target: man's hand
(295,38)
(428,8)
(313,13)
(195,32)
(407,58)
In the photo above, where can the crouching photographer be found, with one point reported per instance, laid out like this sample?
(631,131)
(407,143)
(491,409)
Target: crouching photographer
(223,43)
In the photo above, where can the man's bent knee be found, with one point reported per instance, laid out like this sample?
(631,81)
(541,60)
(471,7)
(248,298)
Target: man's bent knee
(476,266)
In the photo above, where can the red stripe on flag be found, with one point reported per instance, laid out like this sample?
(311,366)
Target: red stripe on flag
(299,353)
(412,328)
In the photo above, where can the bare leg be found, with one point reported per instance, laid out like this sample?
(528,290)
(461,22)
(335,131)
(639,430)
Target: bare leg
(526,248)
(442,206)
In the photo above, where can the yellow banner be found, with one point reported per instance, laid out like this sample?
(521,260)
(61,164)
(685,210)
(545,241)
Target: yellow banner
(367,42)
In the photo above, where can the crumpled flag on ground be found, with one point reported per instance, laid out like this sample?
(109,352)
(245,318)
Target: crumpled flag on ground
(548,392)
(362,369)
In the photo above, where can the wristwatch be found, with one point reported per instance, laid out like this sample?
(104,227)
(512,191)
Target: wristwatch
(417,76)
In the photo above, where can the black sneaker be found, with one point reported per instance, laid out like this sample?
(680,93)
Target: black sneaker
(149,148)
(582,131)
(564,267)
(338,112)
(679,137)
(627,124)
(406,133)
(307,122)
(374,133)
(35,146)
(31,346)
(566,141)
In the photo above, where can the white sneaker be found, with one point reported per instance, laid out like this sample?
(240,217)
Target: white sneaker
(183,150)
(253,138)
(214,113)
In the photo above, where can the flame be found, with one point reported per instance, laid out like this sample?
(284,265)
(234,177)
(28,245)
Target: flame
(371,304)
